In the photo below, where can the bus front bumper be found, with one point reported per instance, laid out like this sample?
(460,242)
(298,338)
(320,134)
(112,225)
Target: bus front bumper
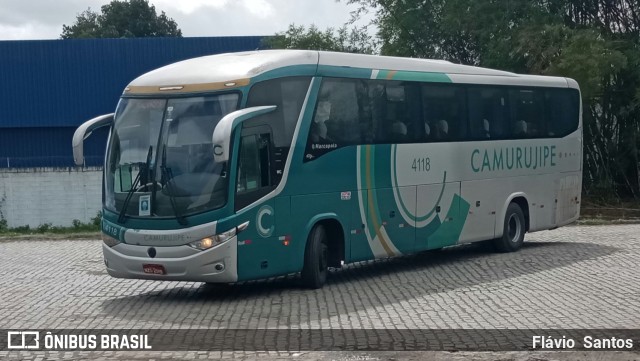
(177,263)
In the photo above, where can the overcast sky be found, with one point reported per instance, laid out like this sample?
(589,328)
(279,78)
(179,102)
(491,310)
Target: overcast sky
(43,19)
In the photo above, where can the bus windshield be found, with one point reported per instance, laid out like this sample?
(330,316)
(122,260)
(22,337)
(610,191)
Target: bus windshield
(160,161)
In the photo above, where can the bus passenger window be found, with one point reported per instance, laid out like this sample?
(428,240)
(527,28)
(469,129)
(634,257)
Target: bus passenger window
(562,108)
(336,121)
(443,109)
(487,113)
(288,95)
(527,113)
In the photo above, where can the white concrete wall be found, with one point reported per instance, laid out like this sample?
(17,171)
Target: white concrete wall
(35,196)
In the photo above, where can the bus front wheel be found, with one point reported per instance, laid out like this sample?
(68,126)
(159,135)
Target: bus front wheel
(513,231)
(316,257)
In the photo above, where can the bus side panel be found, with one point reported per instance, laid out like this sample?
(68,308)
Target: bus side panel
(542,204)
(568,192)
(440,215)
(388,213)
(261,251)
(358,247)
(309,209)
(481,195)
(537,190)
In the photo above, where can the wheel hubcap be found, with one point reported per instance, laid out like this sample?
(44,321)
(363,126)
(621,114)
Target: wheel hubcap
(514,228)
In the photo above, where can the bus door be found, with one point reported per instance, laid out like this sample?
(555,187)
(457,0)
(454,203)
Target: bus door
(260,251)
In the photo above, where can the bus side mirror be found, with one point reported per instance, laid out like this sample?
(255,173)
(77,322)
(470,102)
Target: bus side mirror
(221,138)
(84,131)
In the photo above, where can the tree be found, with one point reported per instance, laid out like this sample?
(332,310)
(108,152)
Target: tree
(342,40)
(595,42)
(122,19)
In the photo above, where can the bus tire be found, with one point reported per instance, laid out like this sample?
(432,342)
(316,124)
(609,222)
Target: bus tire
(316,258)
(513,231)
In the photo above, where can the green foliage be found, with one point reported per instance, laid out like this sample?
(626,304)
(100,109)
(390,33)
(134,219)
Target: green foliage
(20,229)
(97,220)
(595,42)
(343,40)
(122,19)
(47,228)
(43,228)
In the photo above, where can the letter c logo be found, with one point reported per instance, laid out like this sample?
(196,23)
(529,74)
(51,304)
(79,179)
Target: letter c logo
(217,150)
(262,230)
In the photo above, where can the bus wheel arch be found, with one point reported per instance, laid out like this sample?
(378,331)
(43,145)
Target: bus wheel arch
(514,224)
(524,206)
(522,201)
(322,230)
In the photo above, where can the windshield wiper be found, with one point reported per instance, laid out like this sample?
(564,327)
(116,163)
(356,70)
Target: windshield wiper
(167,174)
(134,186)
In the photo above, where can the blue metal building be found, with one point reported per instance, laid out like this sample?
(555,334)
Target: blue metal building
(52,86)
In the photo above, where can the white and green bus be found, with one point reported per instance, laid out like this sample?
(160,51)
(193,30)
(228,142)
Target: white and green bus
(245,166)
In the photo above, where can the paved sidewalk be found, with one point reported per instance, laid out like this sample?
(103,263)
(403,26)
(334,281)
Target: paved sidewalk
(574,277)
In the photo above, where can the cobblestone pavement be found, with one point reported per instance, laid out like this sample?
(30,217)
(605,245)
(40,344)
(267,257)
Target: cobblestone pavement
(574,277)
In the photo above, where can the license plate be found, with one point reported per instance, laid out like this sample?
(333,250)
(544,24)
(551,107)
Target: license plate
(154,269)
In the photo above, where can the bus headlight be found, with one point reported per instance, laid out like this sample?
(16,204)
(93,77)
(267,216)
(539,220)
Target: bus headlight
(218,239)
(109,241)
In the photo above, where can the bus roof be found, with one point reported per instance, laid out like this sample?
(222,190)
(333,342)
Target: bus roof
(237,69)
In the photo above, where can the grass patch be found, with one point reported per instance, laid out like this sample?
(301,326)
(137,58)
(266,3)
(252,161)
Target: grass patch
(78,230)
(600,210)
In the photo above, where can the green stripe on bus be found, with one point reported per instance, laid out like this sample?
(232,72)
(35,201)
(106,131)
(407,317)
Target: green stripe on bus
(414,76)
(344,72)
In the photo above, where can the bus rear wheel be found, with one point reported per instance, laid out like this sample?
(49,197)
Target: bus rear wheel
(316,259)
(513,231)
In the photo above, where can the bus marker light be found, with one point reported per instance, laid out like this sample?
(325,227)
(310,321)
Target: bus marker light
(164,88)
(285,240)
(229,84)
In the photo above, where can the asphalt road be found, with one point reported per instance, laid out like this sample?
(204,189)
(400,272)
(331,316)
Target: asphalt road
(572,278)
